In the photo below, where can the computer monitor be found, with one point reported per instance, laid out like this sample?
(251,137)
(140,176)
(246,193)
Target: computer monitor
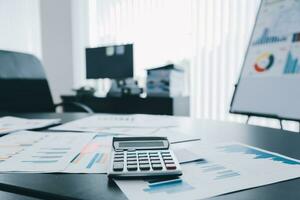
(270,78)
(115,62)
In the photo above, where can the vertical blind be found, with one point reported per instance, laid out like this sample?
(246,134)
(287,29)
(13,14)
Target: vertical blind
(20,26)
(210,36)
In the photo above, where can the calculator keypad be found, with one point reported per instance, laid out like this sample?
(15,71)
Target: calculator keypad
(133,161)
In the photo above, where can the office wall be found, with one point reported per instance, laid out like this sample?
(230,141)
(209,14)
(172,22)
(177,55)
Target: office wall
(20,26)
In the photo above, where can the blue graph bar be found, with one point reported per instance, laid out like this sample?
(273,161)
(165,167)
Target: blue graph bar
(92,161)
(229,175)
(99,158)
(258,154)
(265,38)
(291,65)
(47,157)
(169,187)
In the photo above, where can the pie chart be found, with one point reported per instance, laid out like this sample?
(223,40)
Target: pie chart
(264,62)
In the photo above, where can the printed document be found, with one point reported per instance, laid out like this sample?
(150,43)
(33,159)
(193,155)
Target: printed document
(46,152)
(228,167)
(11,124)
(102,122)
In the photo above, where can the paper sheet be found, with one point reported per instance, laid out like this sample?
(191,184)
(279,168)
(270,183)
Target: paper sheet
(93,158)
(50,153)
(227,168)
(104,122)
(10,124)
(16,142)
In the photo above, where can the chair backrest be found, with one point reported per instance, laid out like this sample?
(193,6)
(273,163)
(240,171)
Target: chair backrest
(23,84)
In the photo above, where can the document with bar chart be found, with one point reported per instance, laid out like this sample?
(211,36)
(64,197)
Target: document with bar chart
(93,158)
(270,77)
(50,152)
(227,167)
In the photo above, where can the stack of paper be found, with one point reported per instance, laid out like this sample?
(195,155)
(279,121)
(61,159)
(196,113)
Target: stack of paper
(10,124)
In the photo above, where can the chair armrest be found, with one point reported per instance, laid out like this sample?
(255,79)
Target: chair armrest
(76,104)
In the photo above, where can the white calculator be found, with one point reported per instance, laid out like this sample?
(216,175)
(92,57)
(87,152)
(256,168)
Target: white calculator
(139,157)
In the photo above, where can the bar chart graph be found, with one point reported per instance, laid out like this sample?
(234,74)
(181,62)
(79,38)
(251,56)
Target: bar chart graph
(93,158)
(217,171)
(292,65)
(266,38)
(242,149)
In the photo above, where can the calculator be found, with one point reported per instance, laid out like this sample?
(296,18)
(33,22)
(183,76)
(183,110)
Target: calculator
(141,157)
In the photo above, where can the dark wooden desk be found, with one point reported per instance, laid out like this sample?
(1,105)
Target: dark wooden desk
(97,186)
(132,105)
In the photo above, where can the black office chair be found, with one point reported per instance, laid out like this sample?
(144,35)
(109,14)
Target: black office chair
(24,86)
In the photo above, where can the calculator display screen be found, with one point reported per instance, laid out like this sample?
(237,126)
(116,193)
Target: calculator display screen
(141,144)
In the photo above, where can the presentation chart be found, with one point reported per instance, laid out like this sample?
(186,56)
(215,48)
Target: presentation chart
(93,158)
(15,143)
(226,168)
(266,38)
(264,62)
(51,154)
(257,154)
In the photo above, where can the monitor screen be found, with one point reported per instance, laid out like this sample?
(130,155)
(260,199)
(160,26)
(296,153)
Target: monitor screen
(114,62)
(270,78)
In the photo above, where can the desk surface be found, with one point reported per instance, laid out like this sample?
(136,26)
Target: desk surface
(97,186)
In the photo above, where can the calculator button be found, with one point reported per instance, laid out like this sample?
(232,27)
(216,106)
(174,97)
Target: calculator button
(118,160)
(131,156)
(165,153)
(168,158)
(157,167)
(119,157)
(154,156)
(154,159)
(142,154)
(132,167)
(155,162)
(169,162)
(144,167)
(118,166)
(119,154)
(143,159)
(131,163)
(170,166)
(153,153)
(131,159)
(144,162)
